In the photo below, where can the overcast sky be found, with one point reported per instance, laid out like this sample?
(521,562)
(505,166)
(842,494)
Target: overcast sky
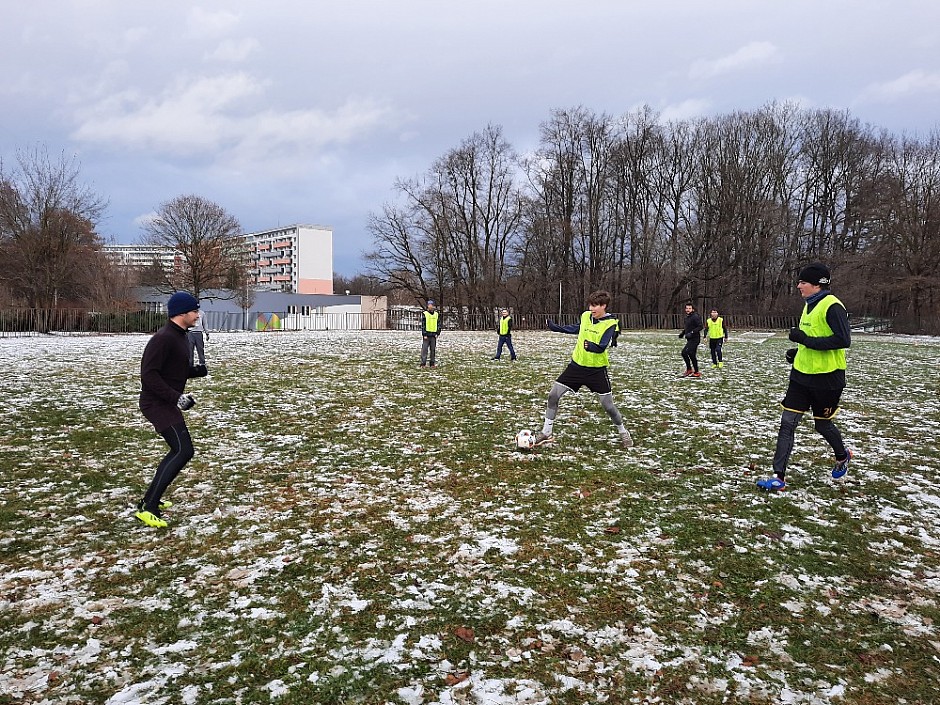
(306,111)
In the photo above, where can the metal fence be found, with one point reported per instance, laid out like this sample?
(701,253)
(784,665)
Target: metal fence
(25,322)
(411,320)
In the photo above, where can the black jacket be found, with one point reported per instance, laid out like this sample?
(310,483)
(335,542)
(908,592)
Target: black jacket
(164,369)
(693,327)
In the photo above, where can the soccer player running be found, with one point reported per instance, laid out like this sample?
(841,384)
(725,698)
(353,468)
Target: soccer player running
(164,369)
(597,331)
(817,376)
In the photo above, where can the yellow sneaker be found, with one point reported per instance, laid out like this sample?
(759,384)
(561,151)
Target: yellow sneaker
(150,519)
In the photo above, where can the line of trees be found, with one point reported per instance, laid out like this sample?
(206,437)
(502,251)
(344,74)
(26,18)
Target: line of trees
(722,211)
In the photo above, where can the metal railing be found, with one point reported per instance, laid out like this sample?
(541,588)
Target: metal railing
(26,322)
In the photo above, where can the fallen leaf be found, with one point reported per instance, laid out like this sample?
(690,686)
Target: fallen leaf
(751,661)
(612,530)
(455,678)
(97,619)
(464,634)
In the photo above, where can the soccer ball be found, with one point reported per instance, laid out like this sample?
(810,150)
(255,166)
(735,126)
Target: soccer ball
(525,439)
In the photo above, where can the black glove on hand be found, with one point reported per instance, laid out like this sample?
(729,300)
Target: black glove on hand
(798,336)
(198,371)
(681,335)
(791,355)
(186,401)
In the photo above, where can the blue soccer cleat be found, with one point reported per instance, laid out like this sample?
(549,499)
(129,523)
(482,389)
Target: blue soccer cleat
(842,466)
(772,484)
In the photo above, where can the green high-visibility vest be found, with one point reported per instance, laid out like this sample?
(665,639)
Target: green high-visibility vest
(817,362)
(504,325)
(430,322)
(716,327)
(592,330)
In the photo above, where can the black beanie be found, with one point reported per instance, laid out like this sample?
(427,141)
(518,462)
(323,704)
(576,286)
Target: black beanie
(181,302)
(816,273)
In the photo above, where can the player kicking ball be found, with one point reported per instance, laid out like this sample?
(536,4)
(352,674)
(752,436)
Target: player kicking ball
(597,331)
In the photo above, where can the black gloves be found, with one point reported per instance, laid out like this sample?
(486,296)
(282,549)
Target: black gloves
(682,335)
(798,336)
(791,355)
(198,371)
(186,401)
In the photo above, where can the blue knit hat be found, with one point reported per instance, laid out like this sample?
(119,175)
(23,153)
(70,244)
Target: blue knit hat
(181,302)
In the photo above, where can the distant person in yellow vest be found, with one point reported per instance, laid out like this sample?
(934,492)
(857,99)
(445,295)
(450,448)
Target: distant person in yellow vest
(504,329)
(430,329)
(597,331)
(717,335)
(817,376)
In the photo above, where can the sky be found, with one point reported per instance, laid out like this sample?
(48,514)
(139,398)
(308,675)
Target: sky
(307,111)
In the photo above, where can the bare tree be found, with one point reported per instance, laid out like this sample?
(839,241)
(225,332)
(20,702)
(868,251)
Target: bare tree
(208,240)
(51,251)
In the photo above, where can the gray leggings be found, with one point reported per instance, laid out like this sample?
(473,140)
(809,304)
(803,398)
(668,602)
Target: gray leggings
(606,400)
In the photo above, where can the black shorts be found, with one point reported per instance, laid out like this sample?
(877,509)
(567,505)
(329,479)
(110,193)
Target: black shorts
(576,376)
(823,402)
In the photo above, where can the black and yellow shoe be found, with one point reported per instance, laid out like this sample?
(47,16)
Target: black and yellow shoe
(150,519)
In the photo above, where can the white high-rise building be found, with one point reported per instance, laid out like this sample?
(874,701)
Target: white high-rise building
(141,256)
(293,258)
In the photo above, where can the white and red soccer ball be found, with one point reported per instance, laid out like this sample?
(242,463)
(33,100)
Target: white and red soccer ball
(525,439)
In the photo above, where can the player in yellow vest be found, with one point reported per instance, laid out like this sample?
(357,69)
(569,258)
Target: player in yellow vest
(817,376)
(597,331)
(717,335)
(504,329)
(430,329)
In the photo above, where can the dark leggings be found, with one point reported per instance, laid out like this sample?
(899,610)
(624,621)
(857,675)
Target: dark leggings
(690,354)
(714,345)
(788,423)
(181,452)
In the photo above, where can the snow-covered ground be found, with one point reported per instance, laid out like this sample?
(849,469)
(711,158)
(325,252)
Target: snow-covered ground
(356,529)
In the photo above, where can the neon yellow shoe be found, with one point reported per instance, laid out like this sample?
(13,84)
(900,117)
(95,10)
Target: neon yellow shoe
(150,519)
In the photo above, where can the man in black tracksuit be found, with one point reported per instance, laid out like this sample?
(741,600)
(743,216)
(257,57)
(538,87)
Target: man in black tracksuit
(692,334)
(164,369)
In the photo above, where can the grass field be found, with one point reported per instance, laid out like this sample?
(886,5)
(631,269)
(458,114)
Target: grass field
(356,530)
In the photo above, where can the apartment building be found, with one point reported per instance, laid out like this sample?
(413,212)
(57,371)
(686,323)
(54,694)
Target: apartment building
(141,256)
(295,258)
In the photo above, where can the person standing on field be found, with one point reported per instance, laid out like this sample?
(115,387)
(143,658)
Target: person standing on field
(430,329)
(817,374)
(692,334)
(717,335)
(196,344)
(504,329)
(597,331)
(164,369)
